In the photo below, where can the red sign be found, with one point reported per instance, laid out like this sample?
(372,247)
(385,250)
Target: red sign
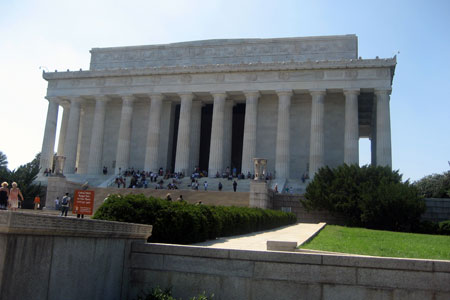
(83,202)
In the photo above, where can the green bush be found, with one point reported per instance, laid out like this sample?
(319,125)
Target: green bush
(159,294)
(182,223)
(444,227)
(370,196)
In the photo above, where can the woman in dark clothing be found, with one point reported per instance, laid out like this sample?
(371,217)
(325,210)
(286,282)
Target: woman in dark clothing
(4,194)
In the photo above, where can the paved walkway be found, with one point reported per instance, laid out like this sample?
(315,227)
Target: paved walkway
(299,233)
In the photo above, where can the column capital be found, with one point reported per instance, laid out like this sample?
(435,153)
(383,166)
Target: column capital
(220,95)
(285,93)
(102,98)
(76,100)
(349,92)
(156,96)
(382,92)
(318,92)
(127,97)
(251,94)
(186,96)
(53,99)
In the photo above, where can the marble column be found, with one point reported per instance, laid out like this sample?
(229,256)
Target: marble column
(196,122)
(184,135)
(282,155)
(63,129)
(71,141)
(48,144)
(250,125)
(316,146)
(153,133)
(383,140)
(217,135)
(351,137)
(228,134)
(96,146)
(123,143)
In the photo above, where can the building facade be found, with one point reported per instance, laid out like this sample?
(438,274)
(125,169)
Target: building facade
(302,103)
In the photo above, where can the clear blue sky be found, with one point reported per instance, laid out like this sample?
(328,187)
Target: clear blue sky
(59,34)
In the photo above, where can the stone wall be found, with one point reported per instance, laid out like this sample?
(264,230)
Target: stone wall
(292,203)
(438,209)
(47,257)
(241,274)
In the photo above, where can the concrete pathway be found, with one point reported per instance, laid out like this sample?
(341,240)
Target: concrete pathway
(298,233)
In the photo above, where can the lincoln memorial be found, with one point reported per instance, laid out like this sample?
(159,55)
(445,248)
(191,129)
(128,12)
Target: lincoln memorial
(301,103)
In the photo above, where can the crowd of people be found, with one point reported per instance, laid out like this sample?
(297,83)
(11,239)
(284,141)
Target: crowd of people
(172,180)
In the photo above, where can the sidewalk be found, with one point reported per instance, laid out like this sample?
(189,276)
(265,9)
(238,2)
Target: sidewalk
(298,233)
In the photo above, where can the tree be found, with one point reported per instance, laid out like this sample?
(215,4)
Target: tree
(3,161)
(434,186)
(369,196)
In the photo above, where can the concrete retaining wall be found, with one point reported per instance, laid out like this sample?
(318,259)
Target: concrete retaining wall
(46,257)
(292,203)
(239,274)
(438,209)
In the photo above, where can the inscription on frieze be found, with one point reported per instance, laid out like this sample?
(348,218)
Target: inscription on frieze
(236,51)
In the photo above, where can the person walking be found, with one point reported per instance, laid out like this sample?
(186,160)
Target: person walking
(37,202)
(234,185)
(65,203)
(14,194)
(4,194)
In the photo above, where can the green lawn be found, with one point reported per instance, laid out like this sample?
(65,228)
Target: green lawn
(380,243)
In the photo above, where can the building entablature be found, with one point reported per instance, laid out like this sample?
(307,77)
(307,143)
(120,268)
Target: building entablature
(227,68)
(69,84)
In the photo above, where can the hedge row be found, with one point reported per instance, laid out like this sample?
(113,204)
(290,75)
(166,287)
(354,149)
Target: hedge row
(429,227)
(182,223)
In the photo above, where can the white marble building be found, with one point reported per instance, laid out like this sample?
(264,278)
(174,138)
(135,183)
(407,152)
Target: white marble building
(302,103)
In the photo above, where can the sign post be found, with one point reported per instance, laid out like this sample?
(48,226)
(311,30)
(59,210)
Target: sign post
(83,202)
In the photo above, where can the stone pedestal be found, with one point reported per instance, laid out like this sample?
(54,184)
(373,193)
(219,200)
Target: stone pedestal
(259,195)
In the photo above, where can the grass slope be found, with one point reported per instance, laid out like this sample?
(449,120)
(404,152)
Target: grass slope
(380,243)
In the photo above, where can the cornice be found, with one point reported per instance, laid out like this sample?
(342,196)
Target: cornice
(225,68)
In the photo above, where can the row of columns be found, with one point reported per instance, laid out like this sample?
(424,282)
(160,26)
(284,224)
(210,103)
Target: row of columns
(221,131)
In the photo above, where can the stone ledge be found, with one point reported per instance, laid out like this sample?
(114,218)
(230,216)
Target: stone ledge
(335,260)
(281,246)
(33,224)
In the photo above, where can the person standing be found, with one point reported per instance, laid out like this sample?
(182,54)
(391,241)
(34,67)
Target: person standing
(37,202)
(4,194)
(65,202)
(205,184)
(57,203)
(234,185)
(220,186)
(14,194)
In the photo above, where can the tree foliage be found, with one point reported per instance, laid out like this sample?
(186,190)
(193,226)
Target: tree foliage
(369,196)
(434,186)
(24,176)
